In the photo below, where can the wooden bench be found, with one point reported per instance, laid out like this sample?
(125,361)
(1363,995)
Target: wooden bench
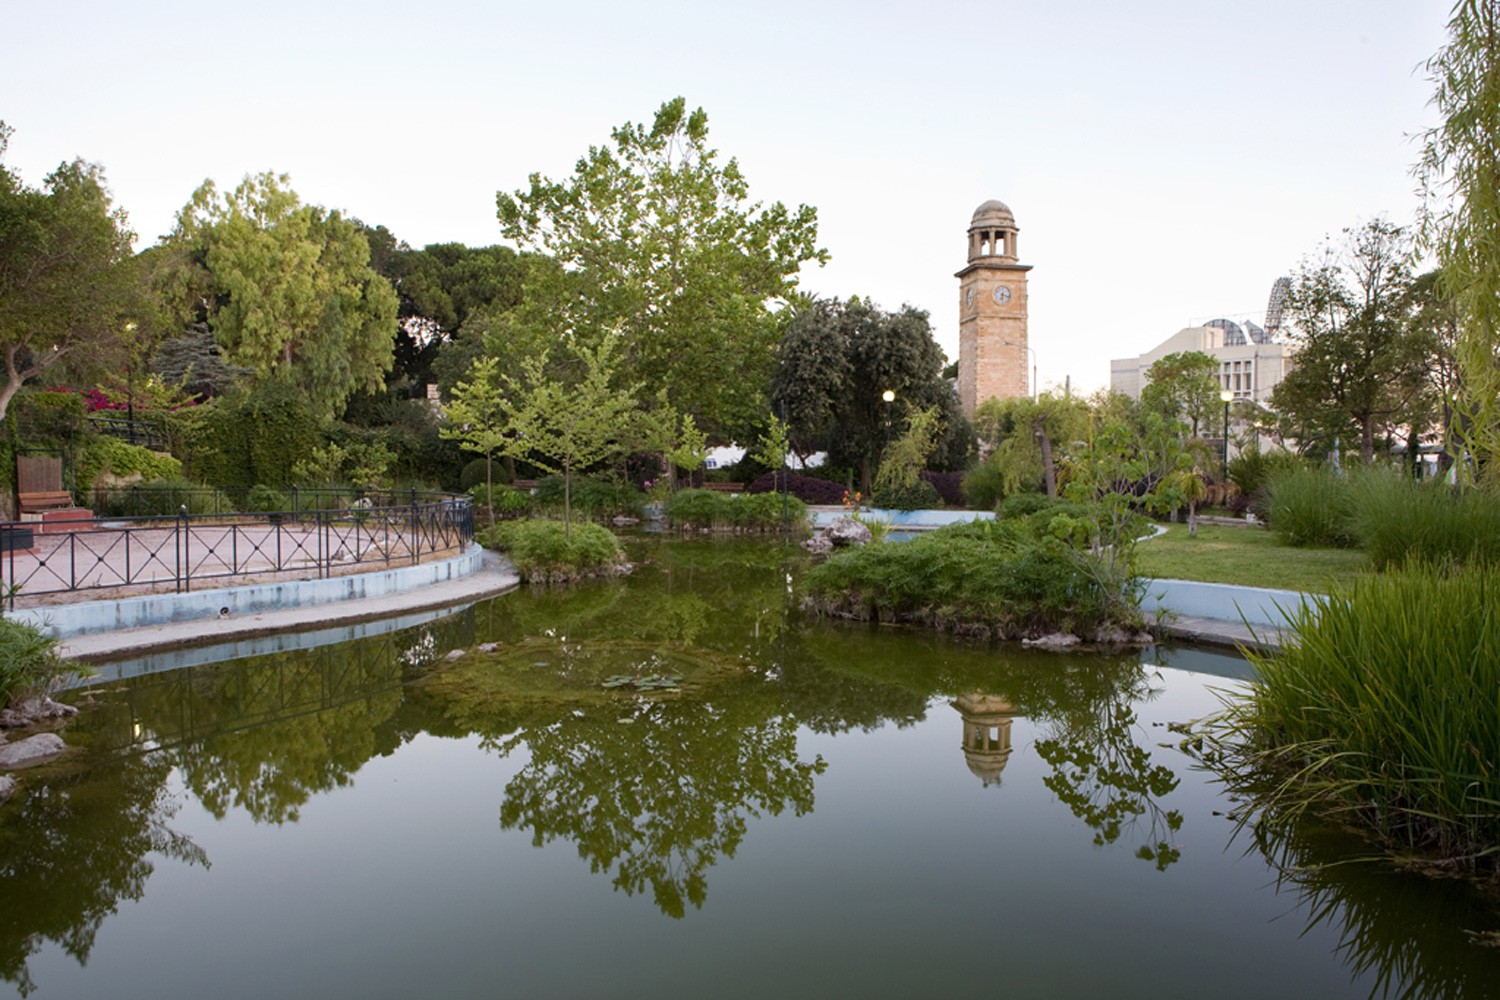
(725,487)
(525,485)
(36,503)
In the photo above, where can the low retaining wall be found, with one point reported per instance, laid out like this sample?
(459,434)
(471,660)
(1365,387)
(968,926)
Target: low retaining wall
(87,617)
(1255,606)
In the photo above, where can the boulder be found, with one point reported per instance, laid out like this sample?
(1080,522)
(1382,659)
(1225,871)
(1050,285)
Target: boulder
(7,787)
(818,544)
(848,531)
(1057,640)
(30,711)
(33,750)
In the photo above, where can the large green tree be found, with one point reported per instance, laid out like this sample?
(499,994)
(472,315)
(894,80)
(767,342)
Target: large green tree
(659,245)
(1460,173)
(834,367)
(1358,368)
(292,294)
(1184,385)
(65,281)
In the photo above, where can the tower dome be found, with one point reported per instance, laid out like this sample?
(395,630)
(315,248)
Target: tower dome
(992,231)
(993,214)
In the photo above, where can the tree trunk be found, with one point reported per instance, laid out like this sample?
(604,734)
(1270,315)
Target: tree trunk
(1192,518)
(489,483)
(1367,439)
(567,500)
(1049,472)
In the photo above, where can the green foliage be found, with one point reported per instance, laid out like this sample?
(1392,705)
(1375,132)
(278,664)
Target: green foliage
(66,284)
(1023,505)
(1459,164)
(502,500)
(545,551)
(917,495)
(163,498)
(985,578)
(475,471)
(104,453)
(1252,468)
(1308,505)
(712,510)
(363,465)
(292,296)
(655,242)
(1401,522)
(1185,385)
(480,416)
(590,498)
(1359,366)
(1030,439)
(255,436)
(836,361)
(31,663)
(264,499)
(1381,714)
(904,458)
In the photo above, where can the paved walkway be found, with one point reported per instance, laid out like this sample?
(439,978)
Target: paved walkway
(495,576)
(1218,632)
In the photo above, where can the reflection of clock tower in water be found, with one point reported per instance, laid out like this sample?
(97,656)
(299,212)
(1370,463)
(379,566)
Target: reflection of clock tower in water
(992,311)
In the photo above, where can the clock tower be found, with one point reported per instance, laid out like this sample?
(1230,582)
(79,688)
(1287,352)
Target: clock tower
(992,311)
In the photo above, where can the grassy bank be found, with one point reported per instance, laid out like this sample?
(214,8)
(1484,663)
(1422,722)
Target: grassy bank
(1249,556)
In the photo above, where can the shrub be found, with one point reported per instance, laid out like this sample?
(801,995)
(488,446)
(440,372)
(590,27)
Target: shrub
(474,474)
(920,495)
(698,509)
(983,577)
(709,509)
(1252,468)
(1381,713)
(120,458)
(591,497)
(1310,506)
(949,486)
(508,502)
(264,499)
(1400,521)
(1023,505)
(543,551)
(808,489)
(163,498)
(30,662)
(984,486)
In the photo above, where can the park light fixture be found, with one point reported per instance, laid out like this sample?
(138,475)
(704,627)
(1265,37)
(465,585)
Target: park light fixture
(889,395)
(1227,397)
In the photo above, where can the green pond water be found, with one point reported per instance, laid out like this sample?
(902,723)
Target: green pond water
(811,810)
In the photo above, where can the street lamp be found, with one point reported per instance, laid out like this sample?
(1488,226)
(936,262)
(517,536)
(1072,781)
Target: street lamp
(1227,397)
(1034,387)
(890,397)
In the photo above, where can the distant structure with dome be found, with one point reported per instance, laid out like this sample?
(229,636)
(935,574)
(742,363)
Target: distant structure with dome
(992,311)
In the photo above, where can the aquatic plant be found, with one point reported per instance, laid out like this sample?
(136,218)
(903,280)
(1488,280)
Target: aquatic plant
(544,551)
(31,663)
(1382,713)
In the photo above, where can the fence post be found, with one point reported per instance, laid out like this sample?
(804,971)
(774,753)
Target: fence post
(416,537)
(187,549)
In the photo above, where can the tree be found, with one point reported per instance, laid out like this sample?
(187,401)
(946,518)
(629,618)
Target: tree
(481,418)
(65,283)
(835,365)
(1184,385)
(658,244)
(566,425)
(813,374)
(1460,175)
(292,291)
(1357,367)
(1028,437)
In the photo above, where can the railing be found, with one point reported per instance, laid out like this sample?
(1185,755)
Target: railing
(176,553)
(146,433)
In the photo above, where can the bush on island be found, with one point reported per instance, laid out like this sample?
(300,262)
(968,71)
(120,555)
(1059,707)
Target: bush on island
(544,552)
(808,489)
(1007,579)
(710,510)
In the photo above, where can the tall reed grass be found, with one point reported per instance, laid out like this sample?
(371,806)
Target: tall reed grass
(1382,713)
(1399,521)
(1309,505)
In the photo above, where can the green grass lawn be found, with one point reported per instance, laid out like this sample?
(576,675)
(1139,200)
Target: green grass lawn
(1248,555)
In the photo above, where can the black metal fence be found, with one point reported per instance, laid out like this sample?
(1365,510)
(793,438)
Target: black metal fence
(179,552)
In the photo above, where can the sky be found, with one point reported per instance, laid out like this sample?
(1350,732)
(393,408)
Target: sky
(1166,160)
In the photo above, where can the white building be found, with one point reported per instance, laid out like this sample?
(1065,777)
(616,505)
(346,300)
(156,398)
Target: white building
(1251,363)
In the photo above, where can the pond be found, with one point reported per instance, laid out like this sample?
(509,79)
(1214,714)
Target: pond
(804,809)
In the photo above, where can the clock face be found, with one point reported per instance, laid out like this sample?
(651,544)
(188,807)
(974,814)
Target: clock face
(1002,294)
(969,297)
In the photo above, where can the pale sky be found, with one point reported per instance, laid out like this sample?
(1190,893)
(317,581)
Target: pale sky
(1165,160)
